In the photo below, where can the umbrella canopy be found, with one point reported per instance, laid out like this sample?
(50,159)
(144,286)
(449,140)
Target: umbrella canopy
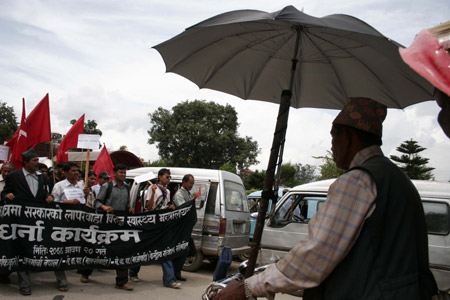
(249,53)
(309,61)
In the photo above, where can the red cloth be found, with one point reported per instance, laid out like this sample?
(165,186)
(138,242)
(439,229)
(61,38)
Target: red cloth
(20,140)
(70,140)
(38,123)
(103,163)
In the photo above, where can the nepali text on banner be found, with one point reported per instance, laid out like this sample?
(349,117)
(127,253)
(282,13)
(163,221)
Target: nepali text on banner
(42,237)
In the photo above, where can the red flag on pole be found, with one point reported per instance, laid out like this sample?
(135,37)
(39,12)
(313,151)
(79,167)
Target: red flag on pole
(70,140)
(103,163)
(38,123)
(20,143)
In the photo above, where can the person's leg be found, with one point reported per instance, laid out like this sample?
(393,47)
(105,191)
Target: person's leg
(134,271)
(178,263)
(61,280)
(24,282)
(168,273)
(85,275)
(121,277)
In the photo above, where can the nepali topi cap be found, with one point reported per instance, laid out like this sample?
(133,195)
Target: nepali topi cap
(27,155)
(363,114)
(104,175)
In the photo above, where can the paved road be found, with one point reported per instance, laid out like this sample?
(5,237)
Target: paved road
(102,286)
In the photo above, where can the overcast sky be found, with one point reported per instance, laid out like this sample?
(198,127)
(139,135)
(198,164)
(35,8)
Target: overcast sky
(95,57)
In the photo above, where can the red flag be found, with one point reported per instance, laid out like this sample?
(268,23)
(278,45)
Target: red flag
(20,144)
(70,140)
(103,163)
(38,123)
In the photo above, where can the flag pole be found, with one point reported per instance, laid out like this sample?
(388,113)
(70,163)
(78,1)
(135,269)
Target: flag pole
(51,158)
(86,170)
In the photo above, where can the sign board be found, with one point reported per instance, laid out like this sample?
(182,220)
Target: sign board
(4,152)
(88,141)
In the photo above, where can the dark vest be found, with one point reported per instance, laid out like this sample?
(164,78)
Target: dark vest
(390,257)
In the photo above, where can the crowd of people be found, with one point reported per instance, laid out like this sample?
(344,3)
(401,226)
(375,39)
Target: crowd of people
(34,182)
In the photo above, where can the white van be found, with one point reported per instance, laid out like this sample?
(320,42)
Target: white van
(222,211)
(289,224)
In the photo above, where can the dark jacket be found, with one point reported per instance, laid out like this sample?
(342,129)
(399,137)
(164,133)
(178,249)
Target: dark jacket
(17,184)
(390,257)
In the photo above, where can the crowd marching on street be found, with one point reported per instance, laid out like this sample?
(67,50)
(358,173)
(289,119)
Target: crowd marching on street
(35,182)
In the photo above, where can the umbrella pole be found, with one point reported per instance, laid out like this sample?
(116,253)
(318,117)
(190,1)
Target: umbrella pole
(276,156)
(267,193)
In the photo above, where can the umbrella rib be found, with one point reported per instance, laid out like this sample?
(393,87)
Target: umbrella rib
(361,62)
(205,82)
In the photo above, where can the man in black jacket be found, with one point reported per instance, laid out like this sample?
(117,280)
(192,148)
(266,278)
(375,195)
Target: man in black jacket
(29,184)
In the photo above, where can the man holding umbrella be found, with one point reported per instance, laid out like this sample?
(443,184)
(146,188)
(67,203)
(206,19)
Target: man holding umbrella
(369,240)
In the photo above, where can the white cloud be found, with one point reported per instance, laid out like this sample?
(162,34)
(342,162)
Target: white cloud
(95,57)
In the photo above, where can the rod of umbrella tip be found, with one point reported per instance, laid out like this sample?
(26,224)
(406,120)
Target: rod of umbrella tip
(442,33)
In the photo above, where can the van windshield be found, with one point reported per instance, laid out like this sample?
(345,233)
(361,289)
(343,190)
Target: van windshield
(235,197)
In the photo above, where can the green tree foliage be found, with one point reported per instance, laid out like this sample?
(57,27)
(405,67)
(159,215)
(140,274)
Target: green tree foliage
(291,175)
(228,167)
(123,148)
(328,169)
(8,122)
(201,134)
(411,162)
(255,181)
(305,173)
(288,174)
(90,127)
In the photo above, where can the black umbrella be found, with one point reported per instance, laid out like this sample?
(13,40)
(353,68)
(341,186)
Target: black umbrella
(248,53)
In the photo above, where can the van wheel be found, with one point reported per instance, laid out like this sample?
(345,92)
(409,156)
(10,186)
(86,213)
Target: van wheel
(193,263)
(442,296)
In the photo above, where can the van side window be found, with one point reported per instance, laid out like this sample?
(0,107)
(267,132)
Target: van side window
(436,217)
(297,209)
(235,197)
(211,202)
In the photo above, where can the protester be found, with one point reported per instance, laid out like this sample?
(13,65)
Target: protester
(59,174)
(70,190)
(369,239)
(114,196)
(103,177)
(182,196)
(28,184)
(4,170)
(158,197)
(90,198)
(429,56)
(44,170)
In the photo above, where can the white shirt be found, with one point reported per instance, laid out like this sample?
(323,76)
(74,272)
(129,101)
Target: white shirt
(32,180)
(64,190)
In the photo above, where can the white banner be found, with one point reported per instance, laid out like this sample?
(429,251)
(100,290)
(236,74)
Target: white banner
(88,141)
(4,152)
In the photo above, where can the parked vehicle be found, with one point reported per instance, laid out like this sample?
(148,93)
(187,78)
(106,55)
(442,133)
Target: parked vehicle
(253,200)
(222,210)
(289,224)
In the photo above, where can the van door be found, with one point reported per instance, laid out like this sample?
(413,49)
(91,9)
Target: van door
(288,226)
(201,187)
(235,212)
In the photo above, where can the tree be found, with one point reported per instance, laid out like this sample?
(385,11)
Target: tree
(305,173)
(228,167)
(255,180)
(201,134)
(123,148)
(90,127)
(288,176)
(411,162)
(8,122)
(328,169)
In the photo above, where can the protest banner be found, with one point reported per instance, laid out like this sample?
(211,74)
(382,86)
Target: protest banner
(55,236)
(4,151)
